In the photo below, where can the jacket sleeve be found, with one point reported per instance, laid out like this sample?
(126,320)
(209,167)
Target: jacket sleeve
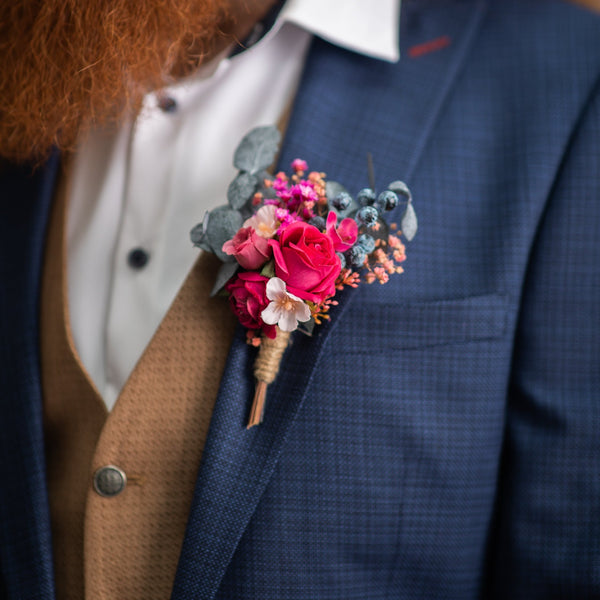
(546,538)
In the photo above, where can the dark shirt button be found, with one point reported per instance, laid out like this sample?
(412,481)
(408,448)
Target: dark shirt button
(109,481)
(167,104)
(138,258)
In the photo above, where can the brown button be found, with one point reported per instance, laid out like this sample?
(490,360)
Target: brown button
(109,481)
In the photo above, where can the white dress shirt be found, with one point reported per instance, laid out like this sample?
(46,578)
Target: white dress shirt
(147,184)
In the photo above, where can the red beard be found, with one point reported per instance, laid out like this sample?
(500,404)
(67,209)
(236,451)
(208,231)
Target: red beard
(68,64)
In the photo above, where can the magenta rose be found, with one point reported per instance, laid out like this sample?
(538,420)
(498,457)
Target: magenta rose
(344,236)
(306,260)
(249,249)
(248,298)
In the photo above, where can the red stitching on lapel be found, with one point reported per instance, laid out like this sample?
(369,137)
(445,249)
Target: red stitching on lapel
(427,47)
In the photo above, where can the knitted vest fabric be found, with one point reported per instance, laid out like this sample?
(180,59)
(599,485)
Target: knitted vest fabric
(127,546)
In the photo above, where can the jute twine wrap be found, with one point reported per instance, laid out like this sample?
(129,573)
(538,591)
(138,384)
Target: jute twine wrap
(266,367)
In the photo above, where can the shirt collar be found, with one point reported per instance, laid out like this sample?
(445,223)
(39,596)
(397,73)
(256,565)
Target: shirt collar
(370,28)
(351,24)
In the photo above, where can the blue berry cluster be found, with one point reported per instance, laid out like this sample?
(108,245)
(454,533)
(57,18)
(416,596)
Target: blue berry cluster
(318,222)
(366,242)
(356,256)
(371,207)
(387,200)
(367,215)
(342,201)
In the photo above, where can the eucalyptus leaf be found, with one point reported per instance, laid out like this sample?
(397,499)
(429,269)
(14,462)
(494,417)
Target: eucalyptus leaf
(241,189)
(401,189)
(223,225)
(198,234)
(409,222)
(257,150)
(334,188)
(225,273)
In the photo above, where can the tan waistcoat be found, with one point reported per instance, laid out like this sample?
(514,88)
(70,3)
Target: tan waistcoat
(127,546)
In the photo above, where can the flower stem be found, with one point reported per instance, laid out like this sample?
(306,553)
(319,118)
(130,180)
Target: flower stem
(258,405)
(266,367)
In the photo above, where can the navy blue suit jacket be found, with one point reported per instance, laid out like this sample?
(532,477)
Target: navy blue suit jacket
(440,437)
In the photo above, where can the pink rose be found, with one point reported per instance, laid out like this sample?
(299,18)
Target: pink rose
(249,249)
(344,236)
(305,259)
(248,298)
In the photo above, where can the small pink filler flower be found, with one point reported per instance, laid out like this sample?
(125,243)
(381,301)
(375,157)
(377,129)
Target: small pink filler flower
(285,309)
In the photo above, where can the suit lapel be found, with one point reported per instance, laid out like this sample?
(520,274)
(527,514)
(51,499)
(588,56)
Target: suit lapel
(24,520)
(346,106)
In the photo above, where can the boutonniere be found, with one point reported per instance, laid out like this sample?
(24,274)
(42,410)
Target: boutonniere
(290,242)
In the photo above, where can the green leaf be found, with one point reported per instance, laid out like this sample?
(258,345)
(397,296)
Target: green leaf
(268,270)
(401,189)
(241,189)
(223,224)
(198,235)
(225,273)
(308,327)
(334,188)
(257,150)
(409,222)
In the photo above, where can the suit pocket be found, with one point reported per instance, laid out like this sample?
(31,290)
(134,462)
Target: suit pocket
(426,324)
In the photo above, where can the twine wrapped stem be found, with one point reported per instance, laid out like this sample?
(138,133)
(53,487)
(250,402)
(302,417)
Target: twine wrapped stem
(266,367)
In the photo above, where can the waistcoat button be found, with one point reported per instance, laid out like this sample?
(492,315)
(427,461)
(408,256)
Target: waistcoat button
(109,481)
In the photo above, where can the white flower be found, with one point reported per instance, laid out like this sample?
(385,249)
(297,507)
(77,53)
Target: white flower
(285,309)
(264,222)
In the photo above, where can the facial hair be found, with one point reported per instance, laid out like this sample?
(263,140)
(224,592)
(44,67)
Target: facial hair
(68,65)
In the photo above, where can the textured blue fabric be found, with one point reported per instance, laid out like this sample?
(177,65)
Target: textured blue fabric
(25,547)
(438,438)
